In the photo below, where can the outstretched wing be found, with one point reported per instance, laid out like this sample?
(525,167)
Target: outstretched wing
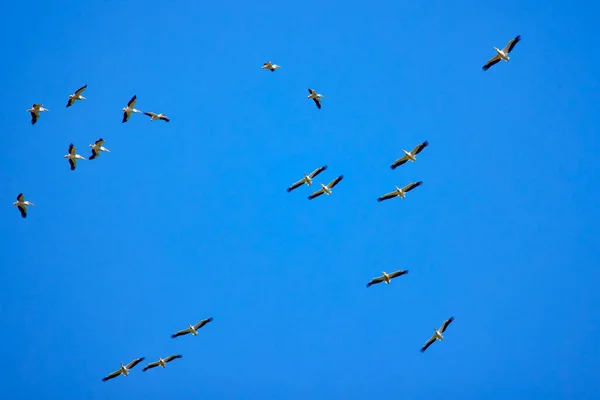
(94,154)
(70,102)
(334,182)
(411,186)
(135,362)
(419,148)
(511,44)
(34,118)
(317,171)
(165,118)
(132,101)
(180,333)
(125,117)
(80,90)
(173,357)
(317,102)
(398,273)
(492,61)
(296,185)
(20,197)
(375,281)
(111,375)
(23,211)
(151,365)
(73,163)
(202,323)
(399,162)
(316,194)
(427,344)
(445,324)
(387,196)
(150,114)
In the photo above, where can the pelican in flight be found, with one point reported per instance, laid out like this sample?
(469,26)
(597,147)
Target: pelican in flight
(35,111)
(409,155)
(387,277)
(193,329)
(162,362)
(400,192)
(124,369)
(22,204)
(326,188)
(130,109)
(76,96)
(438,334)
(307,178)
(316,97)
(97,148)
(271,67)
(155,117)
(502,54)
(73,156)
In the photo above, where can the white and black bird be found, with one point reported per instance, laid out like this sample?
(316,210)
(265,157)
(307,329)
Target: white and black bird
(316,97)
(73,157)
(270,66)
(326,189)
(387,277)
(307,178)
(502,54)
(156,117)
(35,111)
(124,369)
(193,329)
(98,147)
(437,334)
(400,192)
(22,204)
(130,109)
(161,362)
(76,96)
(409,155)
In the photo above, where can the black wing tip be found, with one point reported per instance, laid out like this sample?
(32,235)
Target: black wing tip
(379,200)
(419,183)
(393,166)
(423,350)
(340,177)
(289,189)
(451,319)
(369,284)
(209,319)
(426,143)
(104,379)
(518,38)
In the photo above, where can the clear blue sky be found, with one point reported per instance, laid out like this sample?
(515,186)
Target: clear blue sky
(191,219)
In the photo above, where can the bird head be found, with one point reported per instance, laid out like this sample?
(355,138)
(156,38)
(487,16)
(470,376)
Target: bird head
(384,273)
(124,109)
(15,203)
(398,189)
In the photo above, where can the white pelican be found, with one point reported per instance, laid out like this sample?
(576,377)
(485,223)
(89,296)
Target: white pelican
(316,97)
(154,116)
(124,369)
(409,155)
(307,178)
(502,54)
(193,329)
(35,111)
(130,109)
(162,362)
(326,189)
(22,204)
(271,67)
(400,192)
(97,148)
(387,277)
(438,334)
(73,156)
(76,96)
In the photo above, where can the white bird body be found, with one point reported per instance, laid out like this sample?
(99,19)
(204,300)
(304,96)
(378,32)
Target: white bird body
(162,362)
(270,66)
(35,111)
(387,278)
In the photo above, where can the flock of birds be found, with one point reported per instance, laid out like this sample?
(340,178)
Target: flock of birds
(98,147)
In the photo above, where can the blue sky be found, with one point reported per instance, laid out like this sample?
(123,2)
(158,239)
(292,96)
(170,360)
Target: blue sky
(191,219)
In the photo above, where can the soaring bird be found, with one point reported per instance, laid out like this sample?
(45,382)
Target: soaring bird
(22,204)
(437,334)
(130,109)
(387,277)
(271,67)
(154,116)
(124,369)
(162,362)
(409,155)
(73,156)
(400,192)
(316,97)
(97,148)
(76,96)
(326,188)
(502,54)
(307,178)
(35,111)
(193,329)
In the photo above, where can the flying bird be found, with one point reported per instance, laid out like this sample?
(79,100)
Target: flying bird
(316,97)
(155,117)
(22,204)
(76,96)
(124,369)
(193,329)
(307,178)
(409,155)
(387,277)
(326,188)
(502,54)
(271,67)
(162,362)
(35,111)
(438,334)
(400,192)
(130,109)
(97,148)
(73,156)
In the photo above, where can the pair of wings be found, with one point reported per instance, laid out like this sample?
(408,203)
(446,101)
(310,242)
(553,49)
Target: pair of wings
(331,185)
(311,176)
(405,189)
(418,148)
(507,49)
(157,363)
(119,372)
(393,275)
(196,327)
(433,338)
